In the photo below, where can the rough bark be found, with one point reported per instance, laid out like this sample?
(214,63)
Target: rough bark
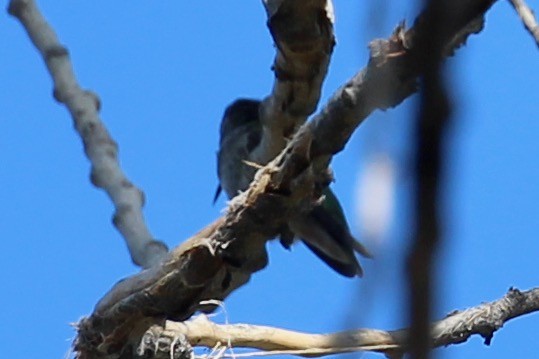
(457,327)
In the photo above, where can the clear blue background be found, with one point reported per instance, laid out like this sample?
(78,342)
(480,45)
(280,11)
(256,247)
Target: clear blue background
(165,70)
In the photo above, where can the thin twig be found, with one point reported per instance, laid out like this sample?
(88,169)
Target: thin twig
(100,148)
(526,14)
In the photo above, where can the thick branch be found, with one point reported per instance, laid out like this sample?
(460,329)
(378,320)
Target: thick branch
(457,327)
(390,77)
(526,15)
(100,148)
(210,265)
(303,35)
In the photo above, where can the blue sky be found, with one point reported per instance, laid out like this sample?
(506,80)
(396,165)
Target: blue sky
(164,72)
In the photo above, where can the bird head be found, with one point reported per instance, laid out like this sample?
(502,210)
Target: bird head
(241,112)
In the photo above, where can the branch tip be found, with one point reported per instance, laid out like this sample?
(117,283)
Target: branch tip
(16,7)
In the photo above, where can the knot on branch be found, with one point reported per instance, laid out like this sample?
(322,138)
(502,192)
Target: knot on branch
(157,343)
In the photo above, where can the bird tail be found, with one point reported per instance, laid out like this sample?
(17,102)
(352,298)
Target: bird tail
(330,241)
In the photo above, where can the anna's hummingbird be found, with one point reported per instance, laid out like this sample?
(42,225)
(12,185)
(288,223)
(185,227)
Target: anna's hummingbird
(323,230)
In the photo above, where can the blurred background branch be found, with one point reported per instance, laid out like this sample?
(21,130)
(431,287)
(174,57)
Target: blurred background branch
(99,147)
(527,17)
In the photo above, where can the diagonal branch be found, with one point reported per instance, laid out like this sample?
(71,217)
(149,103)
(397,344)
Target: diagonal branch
(100,148)
(527,17)
(457,327)
(389,78)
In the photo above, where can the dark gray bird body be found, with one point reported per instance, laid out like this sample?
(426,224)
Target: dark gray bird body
(324,230)
(240,133)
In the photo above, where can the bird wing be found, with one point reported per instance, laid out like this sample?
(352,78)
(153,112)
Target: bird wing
(218,191)
(320,238)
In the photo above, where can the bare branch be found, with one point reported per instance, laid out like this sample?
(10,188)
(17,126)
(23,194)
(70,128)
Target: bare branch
(526,14)
(100,148)
(457,327)
(390,77)
(304,40)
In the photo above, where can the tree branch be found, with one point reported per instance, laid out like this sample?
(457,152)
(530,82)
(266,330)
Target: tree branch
(100,148)
(431,123)
(302,32)
(526,15)
(389,78)
(457,327)
(303,35)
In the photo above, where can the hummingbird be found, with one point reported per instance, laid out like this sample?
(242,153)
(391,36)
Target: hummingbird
(323,230)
